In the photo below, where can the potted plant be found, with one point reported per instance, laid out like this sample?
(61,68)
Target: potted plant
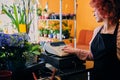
(39,11)
(45,32)
(12,47)
(18,16)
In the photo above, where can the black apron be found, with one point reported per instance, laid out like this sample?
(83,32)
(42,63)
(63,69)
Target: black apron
(106,63)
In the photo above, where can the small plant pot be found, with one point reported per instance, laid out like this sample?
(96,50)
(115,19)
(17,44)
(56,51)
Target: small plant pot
(50,35)
(5,75)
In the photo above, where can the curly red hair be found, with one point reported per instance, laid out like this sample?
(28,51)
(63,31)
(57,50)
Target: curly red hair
(108,9)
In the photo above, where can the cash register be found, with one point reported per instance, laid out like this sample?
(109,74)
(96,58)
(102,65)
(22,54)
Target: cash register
(56,57)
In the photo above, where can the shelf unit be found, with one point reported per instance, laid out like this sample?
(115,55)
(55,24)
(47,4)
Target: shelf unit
(61,19)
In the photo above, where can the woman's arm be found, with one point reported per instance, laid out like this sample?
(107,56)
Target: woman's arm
(82,54)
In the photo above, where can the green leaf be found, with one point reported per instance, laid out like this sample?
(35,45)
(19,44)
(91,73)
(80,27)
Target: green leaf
(3,55)
(36,52)
(35,47)
(22,18)
(16,16)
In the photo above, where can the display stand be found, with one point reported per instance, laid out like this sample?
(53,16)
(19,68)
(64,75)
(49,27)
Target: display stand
(62,17)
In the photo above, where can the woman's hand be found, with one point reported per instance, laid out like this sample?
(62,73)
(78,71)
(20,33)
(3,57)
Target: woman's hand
(69,49)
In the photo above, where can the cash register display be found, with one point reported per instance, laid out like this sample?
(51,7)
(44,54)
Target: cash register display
(55,48)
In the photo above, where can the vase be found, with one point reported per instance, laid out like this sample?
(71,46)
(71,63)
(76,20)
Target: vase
(22,28)
(31,59)
(5,75)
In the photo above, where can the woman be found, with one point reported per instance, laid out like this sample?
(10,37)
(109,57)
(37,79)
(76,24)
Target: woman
(105,44)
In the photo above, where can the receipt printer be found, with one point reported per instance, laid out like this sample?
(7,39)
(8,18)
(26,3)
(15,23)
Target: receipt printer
(55,48)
